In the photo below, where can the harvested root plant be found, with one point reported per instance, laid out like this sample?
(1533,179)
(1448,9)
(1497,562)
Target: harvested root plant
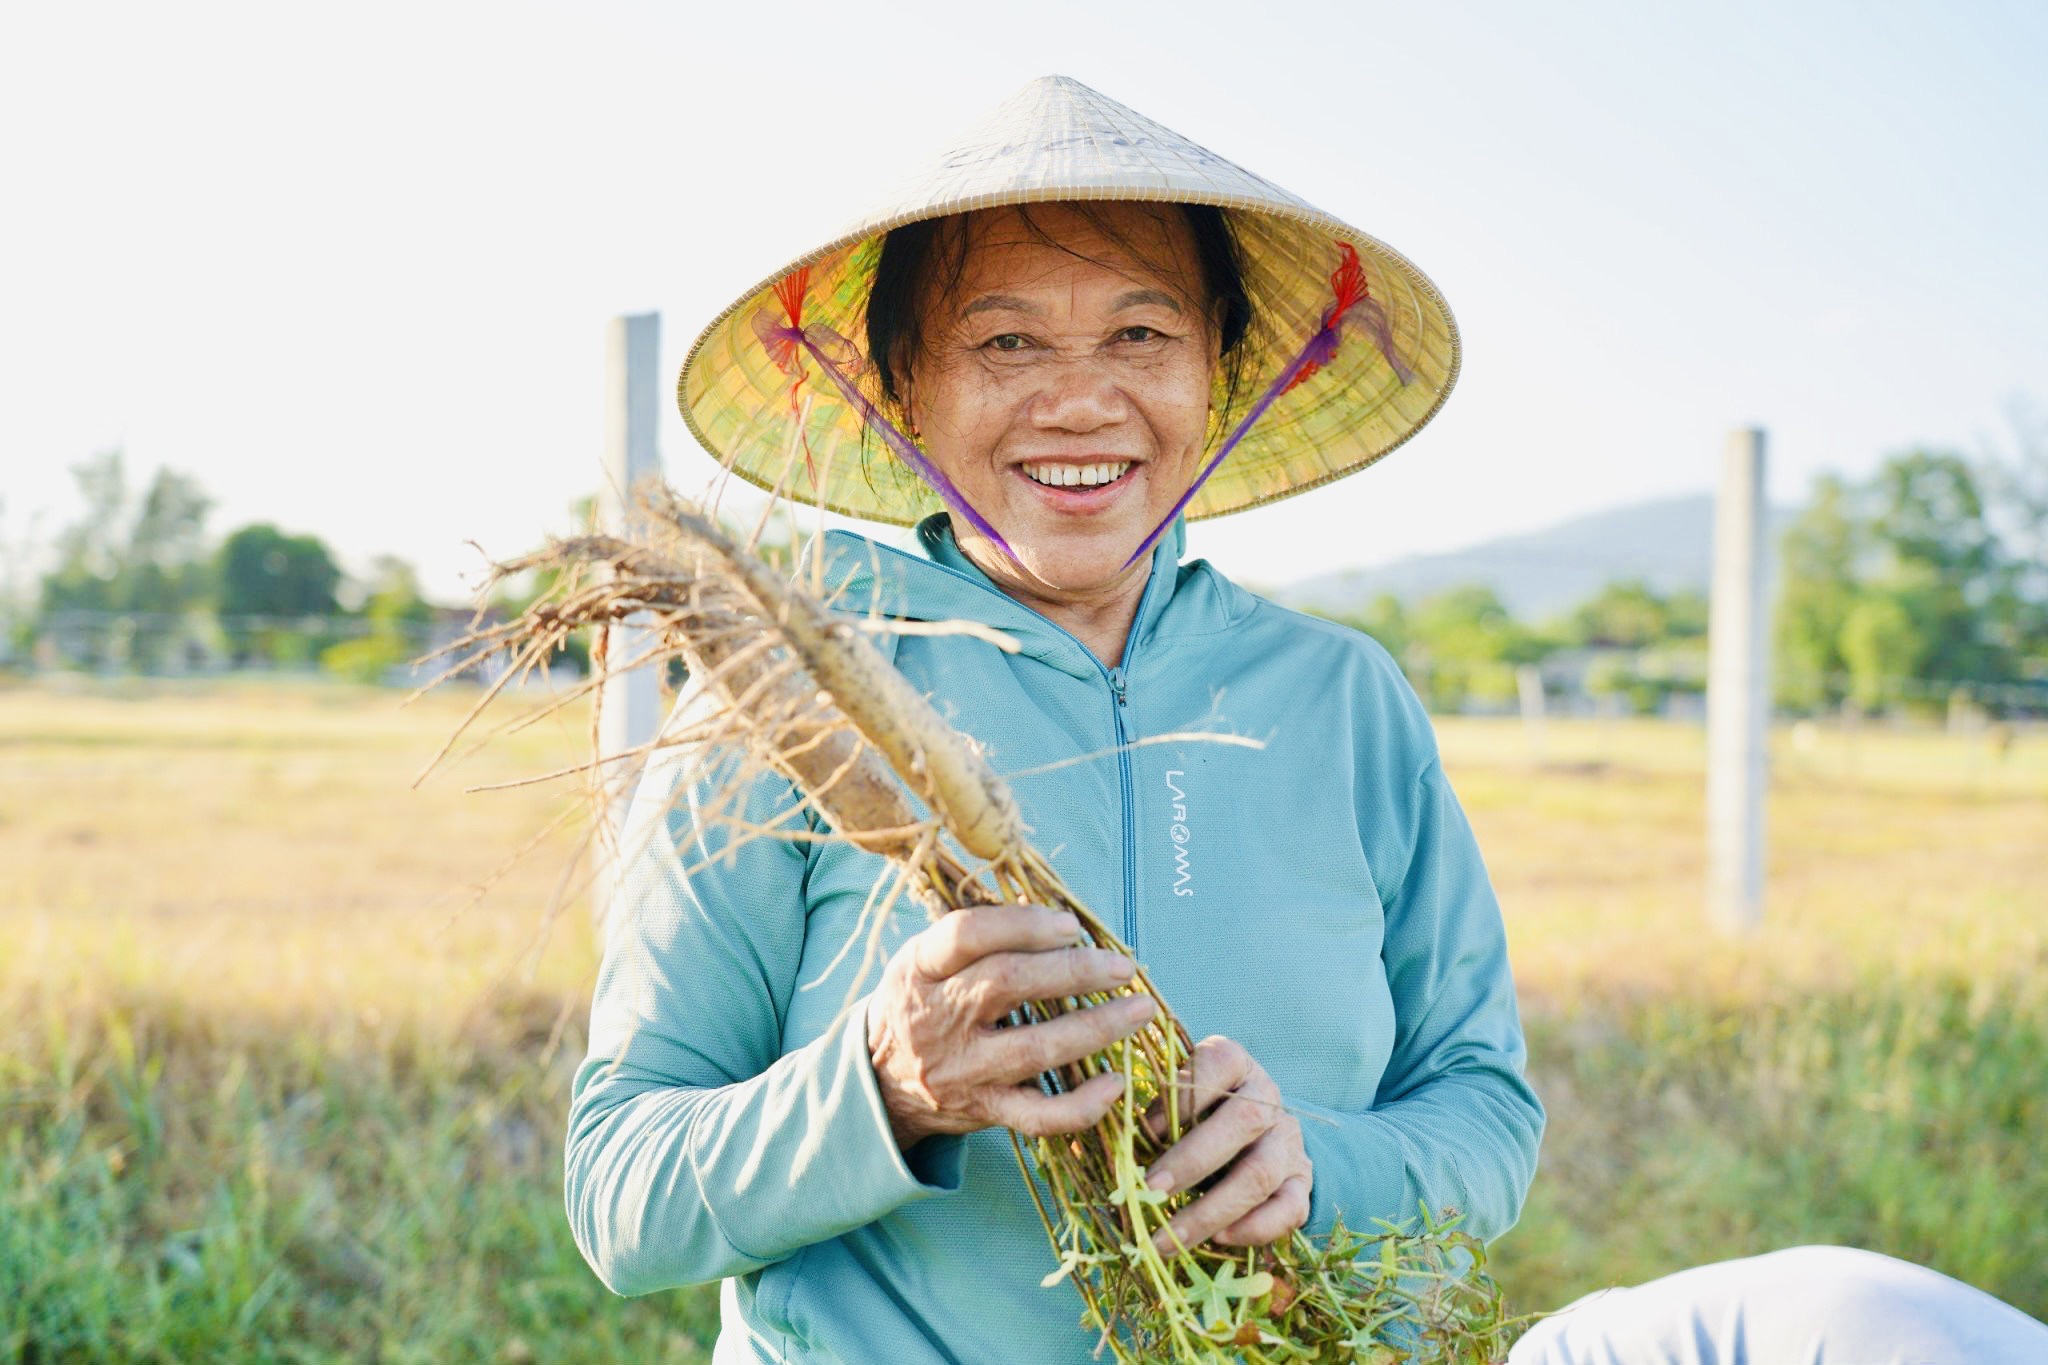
(799,688)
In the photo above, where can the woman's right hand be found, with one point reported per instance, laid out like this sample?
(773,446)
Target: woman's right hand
(944,1066)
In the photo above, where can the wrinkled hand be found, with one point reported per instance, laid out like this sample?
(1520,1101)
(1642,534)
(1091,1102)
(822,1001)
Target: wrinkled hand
(942,1064)
(1242,1132)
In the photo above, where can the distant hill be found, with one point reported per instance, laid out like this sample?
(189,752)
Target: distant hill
(1668,543)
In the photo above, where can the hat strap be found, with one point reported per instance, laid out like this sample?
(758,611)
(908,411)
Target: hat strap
(1353,304)
(819,341)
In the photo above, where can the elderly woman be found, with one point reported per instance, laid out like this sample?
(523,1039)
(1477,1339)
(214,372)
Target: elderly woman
(1083,330)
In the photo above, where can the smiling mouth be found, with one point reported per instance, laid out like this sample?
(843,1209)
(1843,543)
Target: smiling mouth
(1082,476)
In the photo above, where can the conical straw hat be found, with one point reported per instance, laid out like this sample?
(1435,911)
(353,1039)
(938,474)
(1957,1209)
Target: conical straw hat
(1389,372)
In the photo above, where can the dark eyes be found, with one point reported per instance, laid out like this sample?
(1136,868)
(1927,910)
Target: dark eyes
(1013,342)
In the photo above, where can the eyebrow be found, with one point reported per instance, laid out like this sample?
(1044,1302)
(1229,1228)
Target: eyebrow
(1136,298)
(1139,297)
(1005,302)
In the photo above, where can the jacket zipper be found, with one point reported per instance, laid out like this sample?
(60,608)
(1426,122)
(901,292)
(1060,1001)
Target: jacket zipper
(1118,680)
(1130,803)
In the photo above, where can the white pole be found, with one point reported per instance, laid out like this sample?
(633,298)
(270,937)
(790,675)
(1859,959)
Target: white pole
(631,704)
(1738,697)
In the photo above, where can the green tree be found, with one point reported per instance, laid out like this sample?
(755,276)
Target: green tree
(1385,618)
(1905,577)
(264,572)
(1880,642)
(1822,559)
(276,591)
(1465,646)
(1625,614)
(1943,563)
(89,549)
(396,604)
(396,615)
(1685,615)
(2016,495)
(1613,676)
(140,559)
(517,594)
(166,552)
(1651,641)
(164,576)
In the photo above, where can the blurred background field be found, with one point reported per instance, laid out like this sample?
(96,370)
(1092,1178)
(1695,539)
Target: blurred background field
(290,365)
(276,1085)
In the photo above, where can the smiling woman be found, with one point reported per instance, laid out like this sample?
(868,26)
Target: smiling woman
(1061,328)
(1058,364)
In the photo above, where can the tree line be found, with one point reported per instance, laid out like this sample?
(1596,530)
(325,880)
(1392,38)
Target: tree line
(1898,590)
(137,585)
(1925,582)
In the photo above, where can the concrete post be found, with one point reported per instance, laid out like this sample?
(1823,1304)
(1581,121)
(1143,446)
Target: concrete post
(1738,692)
(631,704)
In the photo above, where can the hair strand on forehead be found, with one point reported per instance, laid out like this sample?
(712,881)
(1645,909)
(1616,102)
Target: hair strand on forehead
(922,265)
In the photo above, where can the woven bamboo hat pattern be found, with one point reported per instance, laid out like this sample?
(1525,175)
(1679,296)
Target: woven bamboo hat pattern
(1360,347)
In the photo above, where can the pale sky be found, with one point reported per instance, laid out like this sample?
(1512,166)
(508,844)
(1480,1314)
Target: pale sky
(351,265)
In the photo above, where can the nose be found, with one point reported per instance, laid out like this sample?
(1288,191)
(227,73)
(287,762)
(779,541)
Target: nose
(1080,395)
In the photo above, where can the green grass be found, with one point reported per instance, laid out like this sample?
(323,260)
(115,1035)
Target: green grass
(1902,1117)
(271,1089)
(178,1186)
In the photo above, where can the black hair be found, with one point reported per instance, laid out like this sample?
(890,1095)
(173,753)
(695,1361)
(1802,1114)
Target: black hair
(925,260)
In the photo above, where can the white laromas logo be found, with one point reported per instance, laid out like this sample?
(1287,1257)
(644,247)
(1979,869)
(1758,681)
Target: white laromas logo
(1178,832)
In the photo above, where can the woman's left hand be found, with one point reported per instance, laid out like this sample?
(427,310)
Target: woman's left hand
(1243,1131)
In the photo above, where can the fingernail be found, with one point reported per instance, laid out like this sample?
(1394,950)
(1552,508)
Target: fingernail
(1139,1006)
(1160,1180)
(1070,923)
(1122,968)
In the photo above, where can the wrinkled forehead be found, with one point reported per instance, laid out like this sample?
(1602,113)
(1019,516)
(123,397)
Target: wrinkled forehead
(1019,247)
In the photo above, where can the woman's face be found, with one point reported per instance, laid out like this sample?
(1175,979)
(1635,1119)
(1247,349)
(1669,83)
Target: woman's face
(1064,388)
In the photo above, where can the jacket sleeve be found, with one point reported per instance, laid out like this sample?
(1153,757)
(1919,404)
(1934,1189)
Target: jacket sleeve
(697,1149)
(1454,1124)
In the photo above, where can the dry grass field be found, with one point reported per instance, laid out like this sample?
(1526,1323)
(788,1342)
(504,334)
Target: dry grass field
(275,1086)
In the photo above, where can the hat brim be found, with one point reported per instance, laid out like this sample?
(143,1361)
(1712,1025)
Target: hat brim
(1353,411)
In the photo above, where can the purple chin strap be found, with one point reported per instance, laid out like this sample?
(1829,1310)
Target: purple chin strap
(1306,360)
(816,340)
(787,343)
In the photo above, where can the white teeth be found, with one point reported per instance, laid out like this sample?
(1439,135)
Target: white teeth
(1082,475)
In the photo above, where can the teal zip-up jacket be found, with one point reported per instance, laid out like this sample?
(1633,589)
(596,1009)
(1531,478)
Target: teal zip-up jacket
(1321,900)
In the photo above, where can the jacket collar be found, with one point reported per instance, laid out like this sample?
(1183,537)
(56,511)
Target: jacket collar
(864,576)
